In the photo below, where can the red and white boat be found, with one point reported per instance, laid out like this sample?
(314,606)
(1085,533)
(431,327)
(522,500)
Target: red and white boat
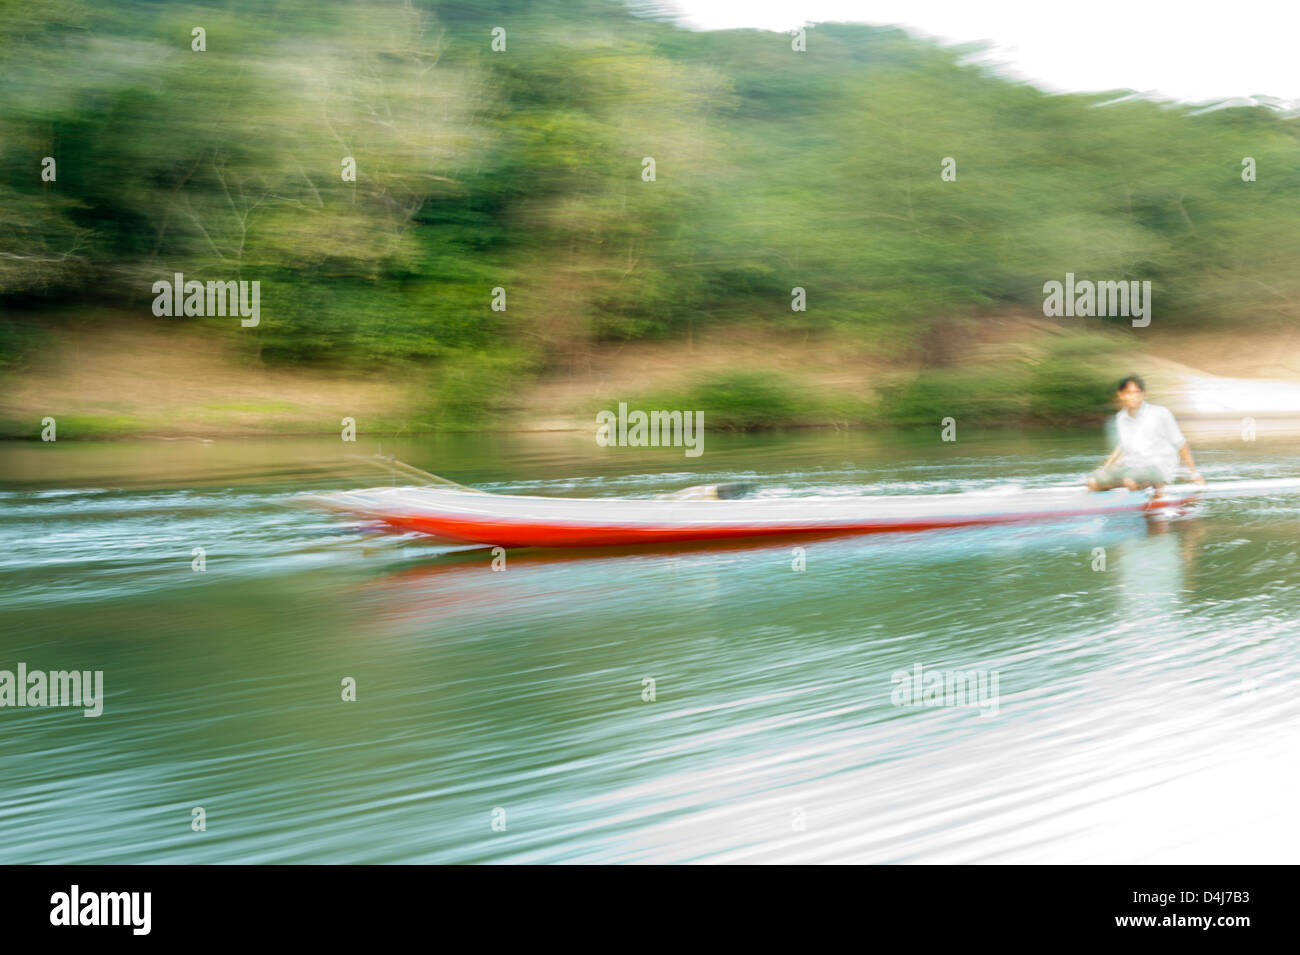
(466,516)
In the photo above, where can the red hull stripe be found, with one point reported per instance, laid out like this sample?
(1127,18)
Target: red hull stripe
(514,533)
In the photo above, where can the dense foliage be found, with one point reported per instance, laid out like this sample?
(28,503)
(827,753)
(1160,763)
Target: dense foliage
(522,170)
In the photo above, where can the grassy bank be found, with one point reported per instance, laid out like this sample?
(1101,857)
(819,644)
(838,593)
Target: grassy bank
(168,380)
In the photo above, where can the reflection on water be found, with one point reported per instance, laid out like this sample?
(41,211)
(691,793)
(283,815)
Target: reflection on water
(1146,710)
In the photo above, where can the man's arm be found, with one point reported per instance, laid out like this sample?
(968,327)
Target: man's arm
(1092,482)
(1185,452)
(1184,448)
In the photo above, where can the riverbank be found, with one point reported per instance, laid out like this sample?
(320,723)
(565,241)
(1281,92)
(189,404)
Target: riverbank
(176,381)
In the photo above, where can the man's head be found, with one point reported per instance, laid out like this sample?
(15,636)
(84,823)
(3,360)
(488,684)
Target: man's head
(1131,393)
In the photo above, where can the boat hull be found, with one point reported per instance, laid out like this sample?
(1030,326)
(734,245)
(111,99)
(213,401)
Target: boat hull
(466,517)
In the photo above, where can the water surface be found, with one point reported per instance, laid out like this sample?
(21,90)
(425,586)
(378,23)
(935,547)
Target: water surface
(1146,712)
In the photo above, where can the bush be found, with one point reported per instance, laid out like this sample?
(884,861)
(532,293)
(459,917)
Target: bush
(744,401)
(472,389)
(1076,380)
(979,396)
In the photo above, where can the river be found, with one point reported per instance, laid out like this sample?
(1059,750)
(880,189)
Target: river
(696,704)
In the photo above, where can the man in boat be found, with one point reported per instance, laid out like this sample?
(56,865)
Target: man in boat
(1149,447)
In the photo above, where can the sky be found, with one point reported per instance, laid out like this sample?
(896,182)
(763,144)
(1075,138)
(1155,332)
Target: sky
(1189,50)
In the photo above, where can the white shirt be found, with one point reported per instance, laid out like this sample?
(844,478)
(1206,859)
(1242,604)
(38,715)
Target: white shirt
(1150,439)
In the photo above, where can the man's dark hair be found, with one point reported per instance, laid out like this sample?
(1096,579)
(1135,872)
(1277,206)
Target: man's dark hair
(1133,378)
